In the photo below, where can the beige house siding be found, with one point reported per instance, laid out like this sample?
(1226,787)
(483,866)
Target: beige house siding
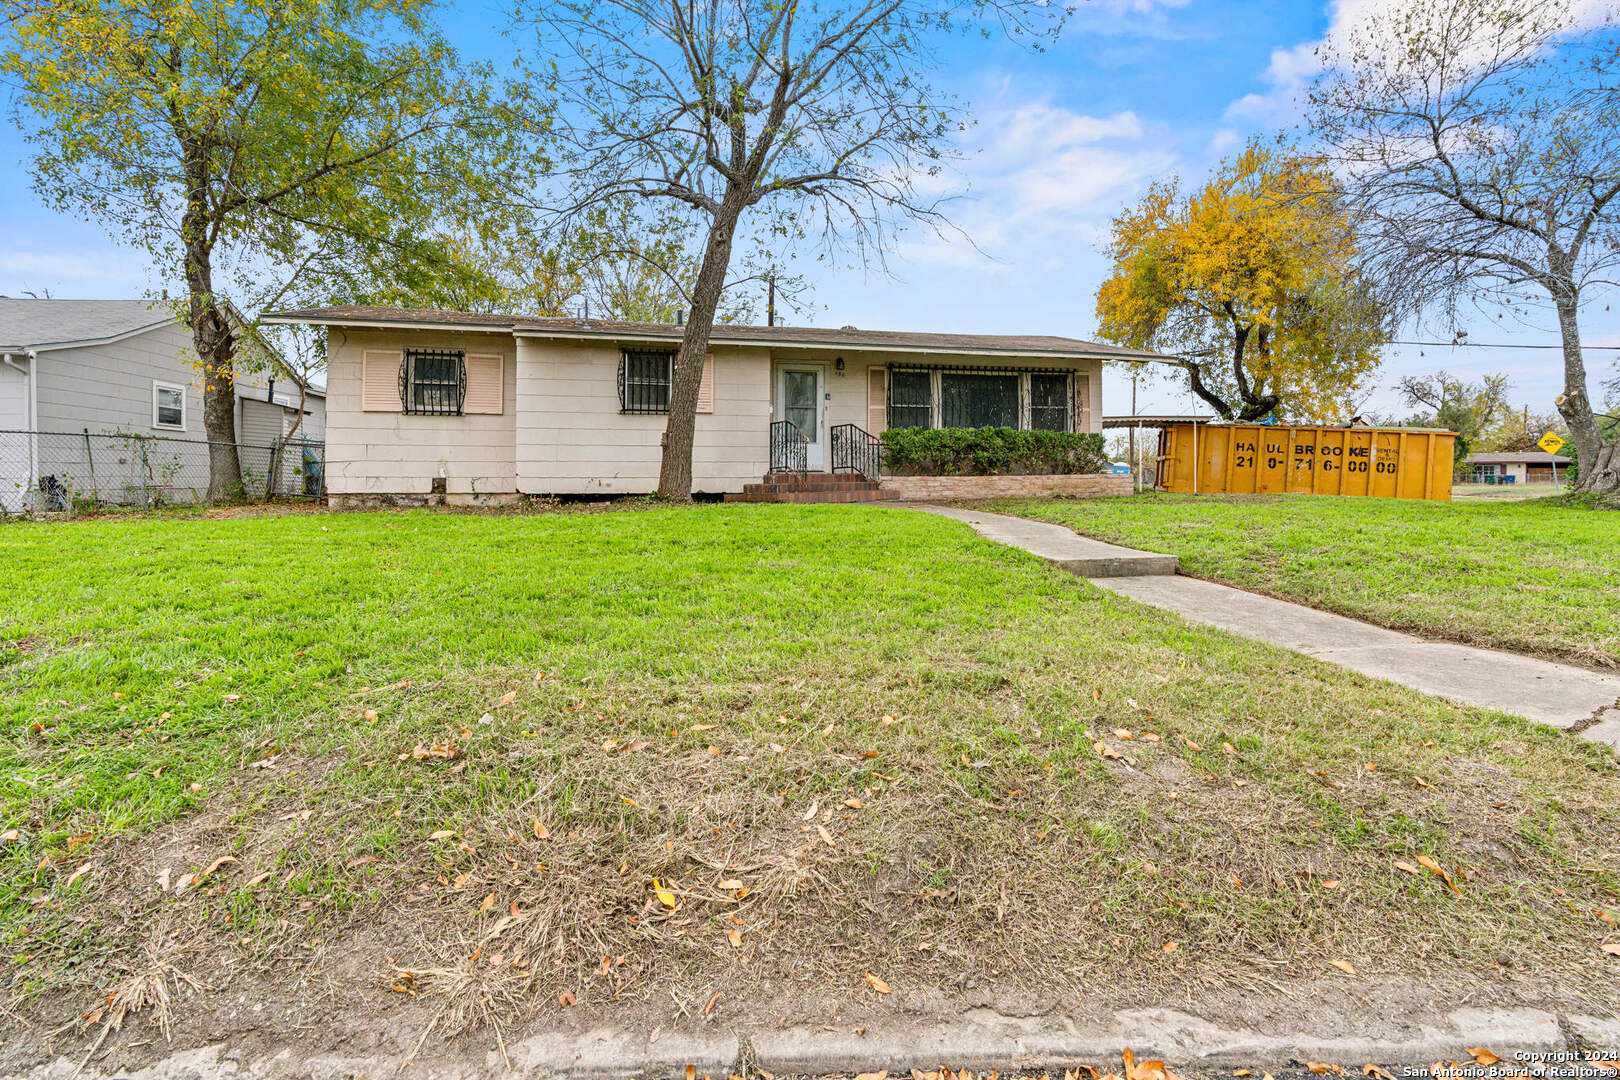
(396,453)
(574,441)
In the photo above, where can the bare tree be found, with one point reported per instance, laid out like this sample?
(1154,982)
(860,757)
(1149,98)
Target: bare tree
(820,110)
(1479,139)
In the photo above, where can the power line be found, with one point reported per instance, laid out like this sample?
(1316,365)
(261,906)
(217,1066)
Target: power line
(1490,345)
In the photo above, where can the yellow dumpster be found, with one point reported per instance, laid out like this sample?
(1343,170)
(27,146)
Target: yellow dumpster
(1247,459)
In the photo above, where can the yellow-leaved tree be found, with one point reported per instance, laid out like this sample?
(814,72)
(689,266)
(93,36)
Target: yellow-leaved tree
(1252,283)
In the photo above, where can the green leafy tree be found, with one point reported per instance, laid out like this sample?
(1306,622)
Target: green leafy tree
(1464,407)
(253,145)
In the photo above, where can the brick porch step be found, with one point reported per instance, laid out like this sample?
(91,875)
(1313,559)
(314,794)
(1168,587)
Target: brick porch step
(815,487)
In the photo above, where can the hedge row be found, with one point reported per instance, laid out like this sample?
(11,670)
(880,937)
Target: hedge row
(990,451)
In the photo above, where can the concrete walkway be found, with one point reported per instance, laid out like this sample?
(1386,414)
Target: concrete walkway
(1560,695)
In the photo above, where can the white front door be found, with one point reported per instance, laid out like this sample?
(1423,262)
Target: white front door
(801,392)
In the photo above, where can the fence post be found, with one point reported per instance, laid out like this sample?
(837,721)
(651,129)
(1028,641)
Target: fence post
(275,467)
(90,455)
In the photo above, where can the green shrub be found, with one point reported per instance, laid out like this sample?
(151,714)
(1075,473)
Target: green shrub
(990,451)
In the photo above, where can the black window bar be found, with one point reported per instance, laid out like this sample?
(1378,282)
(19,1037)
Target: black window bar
(1049,402)
(433,382)
(644,381)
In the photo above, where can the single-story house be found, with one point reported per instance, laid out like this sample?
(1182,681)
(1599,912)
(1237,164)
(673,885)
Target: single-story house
(1513,467)
(481,407)
(124,368)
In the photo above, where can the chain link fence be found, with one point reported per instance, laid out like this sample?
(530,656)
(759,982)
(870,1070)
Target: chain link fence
(46,471)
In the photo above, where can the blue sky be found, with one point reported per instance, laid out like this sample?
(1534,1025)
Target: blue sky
(1134,90)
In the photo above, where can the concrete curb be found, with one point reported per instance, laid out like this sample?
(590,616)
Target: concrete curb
(980,1040)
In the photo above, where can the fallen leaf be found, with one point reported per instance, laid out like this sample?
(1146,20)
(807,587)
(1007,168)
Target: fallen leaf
(1241,1072)
(1606,917)
(1483,1056)
(163,879)
(878,984)
(1375,1072)
(884,1075)
(1321,1068)
(709,1007)
(1332,883)
(507,698)
(441,834)
(77,874)
(361,861)
(1611,947)
(1123,733)
(665,897)
(1408,867)
(489,902)
(566,998)
(853,804)
(10,836)
(735,937)
(371,716)
(1438,870)
(811,812)
(540,831)
(1344,965)
(1106,752)
(1171,946)
(825,835)
(215,865)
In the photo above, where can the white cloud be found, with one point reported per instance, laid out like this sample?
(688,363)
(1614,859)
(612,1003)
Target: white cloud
(1289,71)
(1142,7)
(1223,140)
(1042,180)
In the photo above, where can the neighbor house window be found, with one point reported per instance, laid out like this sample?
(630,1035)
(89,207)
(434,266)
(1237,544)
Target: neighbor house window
(433,381)
(644,381)
(168,406)
(964,397)
(1049,402)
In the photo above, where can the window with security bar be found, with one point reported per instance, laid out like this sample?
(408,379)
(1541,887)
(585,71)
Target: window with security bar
(1049,402)
(911,399)
(433,382)
(644,377)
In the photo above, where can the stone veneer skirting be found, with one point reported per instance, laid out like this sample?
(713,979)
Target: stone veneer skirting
(943,488)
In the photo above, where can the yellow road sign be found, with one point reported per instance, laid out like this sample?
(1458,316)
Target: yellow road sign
(1550,443)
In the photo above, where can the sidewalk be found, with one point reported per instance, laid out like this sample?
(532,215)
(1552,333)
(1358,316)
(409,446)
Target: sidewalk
(1559,695)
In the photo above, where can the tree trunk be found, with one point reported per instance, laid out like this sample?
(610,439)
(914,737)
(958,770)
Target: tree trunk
(1598,461)
(675,472)
(215,341)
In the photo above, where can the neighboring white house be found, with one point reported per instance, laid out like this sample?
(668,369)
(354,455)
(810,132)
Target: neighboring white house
(1514,467)
(124,367)
(484,407)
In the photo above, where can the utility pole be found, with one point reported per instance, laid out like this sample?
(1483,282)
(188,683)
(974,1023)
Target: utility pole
(770,304)
(1136,461)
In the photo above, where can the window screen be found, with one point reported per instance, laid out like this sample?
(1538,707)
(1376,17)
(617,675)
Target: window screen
(911,399)
(1049,402)
(969,400)
(644,381)
(435,381)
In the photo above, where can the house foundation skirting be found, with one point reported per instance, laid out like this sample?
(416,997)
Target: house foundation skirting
(949,488)
(381,501)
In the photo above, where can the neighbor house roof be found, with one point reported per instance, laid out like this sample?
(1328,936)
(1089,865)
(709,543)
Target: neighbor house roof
(1517,457)
(59,324)
(66,324)
(847,337)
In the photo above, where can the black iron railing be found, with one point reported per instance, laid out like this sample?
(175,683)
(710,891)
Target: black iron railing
(789,448)
(854,449)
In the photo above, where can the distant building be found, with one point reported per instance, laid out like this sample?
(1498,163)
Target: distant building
(1513,467)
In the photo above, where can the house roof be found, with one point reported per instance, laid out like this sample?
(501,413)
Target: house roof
(65,324)
(59,324)
(1525,457)
(1153,420)
(723,334)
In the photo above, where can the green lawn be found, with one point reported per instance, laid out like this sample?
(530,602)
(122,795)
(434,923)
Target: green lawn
(1540,576)
(862,738)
